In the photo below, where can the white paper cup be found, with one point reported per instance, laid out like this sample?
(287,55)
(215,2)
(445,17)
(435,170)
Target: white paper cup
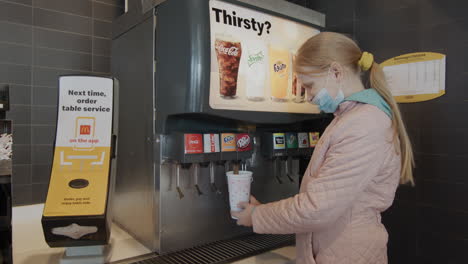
(239,188)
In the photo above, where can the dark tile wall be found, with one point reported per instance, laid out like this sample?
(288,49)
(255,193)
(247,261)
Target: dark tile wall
(40,40)
(431,219)
(340,14)
(428,223)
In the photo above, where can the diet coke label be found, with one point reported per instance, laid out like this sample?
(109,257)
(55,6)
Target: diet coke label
(231,51)
(193,143)
(211,143)
(243,142)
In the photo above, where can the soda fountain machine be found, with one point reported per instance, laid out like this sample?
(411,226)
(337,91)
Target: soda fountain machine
(207,86)
(6,147)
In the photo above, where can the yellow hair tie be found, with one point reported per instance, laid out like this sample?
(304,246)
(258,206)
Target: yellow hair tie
(366,61)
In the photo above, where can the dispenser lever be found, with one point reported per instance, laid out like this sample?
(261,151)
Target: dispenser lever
(198,189)
(275,171)
(195,175)
(287,171)
(279,180)
(181,194)
(214,188)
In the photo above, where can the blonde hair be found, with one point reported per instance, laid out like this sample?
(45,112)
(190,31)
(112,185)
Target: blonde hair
(325,48)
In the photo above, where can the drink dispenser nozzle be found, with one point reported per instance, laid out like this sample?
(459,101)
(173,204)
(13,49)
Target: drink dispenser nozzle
(179,190)
(196,168)
(235,167)
(214,188)
(243,165)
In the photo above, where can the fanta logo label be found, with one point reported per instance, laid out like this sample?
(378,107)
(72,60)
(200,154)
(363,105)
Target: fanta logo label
(279,67)
(228,139)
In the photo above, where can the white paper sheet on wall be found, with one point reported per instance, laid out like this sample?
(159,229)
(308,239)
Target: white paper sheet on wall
(416,77)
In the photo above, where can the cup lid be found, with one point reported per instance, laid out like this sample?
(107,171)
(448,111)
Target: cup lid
(241,174)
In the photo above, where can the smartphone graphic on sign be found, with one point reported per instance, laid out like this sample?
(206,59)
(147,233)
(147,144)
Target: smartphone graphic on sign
(84,133)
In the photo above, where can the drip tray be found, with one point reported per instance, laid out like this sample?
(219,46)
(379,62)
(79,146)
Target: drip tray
(222,251)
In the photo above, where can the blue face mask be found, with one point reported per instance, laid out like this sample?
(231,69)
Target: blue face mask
(324,100)
(326,103)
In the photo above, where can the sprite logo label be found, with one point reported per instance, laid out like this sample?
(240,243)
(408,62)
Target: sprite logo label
(255,58)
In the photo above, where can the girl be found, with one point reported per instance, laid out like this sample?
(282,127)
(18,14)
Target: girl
(356,167)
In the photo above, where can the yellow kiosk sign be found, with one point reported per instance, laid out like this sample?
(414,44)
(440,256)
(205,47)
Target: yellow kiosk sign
(80,171)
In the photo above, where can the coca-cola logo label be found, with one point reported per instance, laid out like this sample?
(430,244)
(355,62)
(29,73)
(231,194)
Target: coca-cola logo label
(193,143)
(243,142)
(231,51)
(279,67)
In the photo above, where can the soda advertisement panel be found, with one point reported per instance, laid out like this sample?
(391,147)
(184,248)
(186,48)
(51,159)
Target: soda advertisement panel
(251,61)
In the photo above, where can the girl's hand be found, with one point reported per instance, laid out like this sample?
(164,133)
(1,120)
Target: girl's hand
(244,217)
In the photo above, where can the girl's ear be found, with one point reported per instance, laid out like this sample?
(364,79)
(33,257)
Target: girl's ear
(337,70)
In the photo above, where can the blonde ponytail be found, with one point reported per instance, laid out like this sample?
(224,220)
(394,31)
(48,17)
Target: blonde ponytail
(401,138)
(325,48)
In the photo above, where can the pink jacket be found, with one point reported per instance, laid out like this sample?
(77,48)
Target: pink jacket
(351,178)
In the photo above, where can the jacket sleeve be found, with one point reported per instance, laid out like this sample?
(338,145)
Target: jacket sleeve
(355,155)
